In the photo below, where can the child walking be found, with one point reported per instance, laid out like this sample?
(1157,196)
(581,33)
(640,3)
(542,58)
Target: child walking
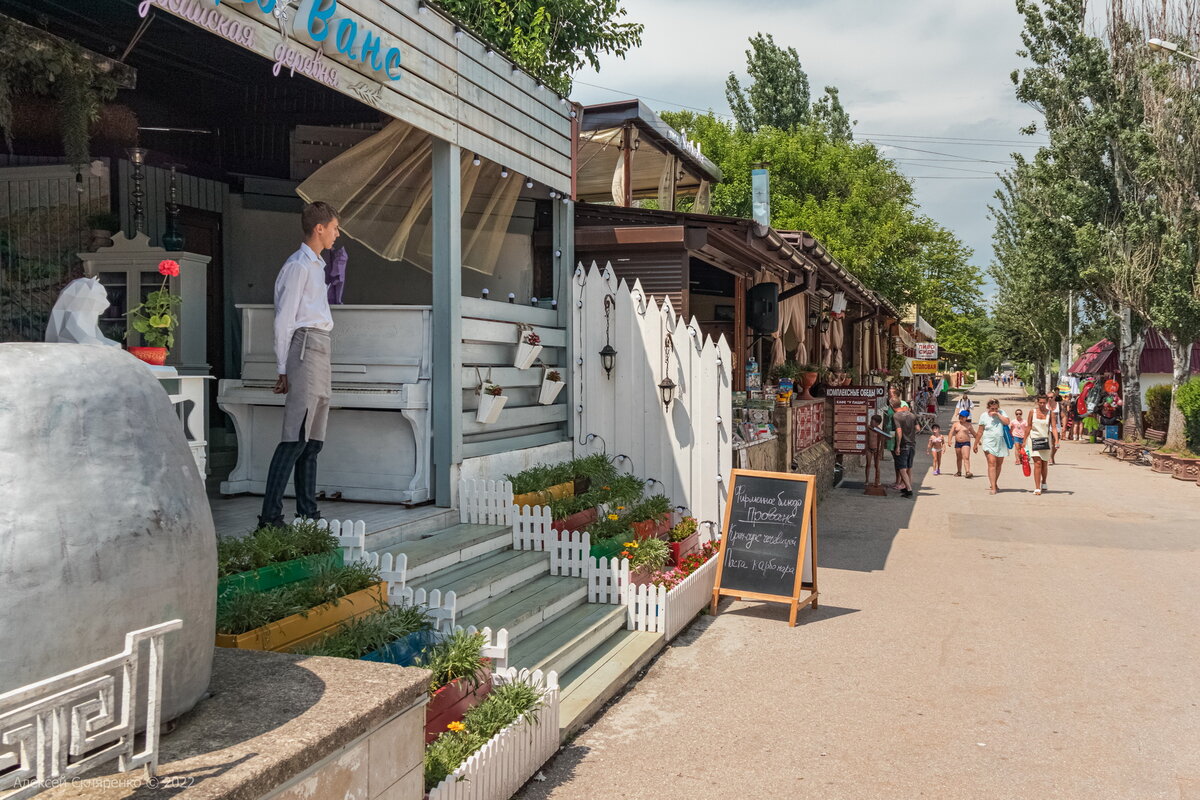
(936,446)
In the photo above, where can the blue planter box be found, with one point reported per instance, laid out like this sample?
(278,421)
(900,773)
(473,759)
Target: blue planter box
(402,652)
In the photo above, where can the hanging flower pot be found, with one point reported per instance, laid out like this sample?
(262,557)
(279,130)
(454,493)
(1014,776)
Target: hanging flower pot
(491,401)
(552,384)
(151,355)
(529,347)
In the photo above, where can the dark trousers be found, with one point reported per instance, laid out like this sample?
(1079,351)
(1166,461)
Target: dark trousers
(298,457)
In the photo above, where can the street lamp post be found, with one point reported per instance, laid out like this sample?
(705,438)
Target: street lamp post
(1164,46)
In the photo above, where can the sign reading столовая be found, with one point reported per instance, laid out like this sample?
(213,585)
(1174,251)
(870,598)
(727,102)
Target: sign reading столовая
(768,550)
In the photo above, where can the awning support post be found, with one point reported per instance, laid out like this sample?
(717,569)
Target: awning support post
(446,393)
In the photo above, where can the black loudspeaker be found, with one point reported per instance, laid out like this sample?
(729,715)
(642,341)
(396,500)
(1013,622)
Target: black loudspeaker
(762,307)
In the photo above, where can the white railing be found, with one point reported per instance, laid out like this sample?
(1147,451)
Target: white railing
(569,550)
(654,609)
(60,727)
(503,765)
(485,502)
(687,448)
(607,579)
(495,644)
(351,536)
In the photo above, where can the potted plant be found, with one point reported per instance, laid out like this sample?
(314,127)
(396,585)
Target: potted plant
(274,556)
(396,635)
(573,513)
(683,539)
(808,374)
(491,401)
(552,384)
(157,318)
(103,225)
(1185,467)
(651,518)
(297,614)
(461,679)
(529,346)
(646,557)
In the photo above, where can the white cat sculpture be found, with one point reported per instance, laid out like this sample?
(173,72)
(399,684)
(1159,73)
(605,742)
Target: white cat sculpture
(74,318)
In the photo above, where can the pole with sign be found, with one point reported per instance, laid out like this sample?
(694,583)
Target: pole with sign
(769,547)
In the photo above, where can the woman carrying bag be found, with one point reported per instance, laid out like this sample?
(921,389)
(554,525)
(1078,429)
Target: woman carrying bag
(1040,442)
(996,439)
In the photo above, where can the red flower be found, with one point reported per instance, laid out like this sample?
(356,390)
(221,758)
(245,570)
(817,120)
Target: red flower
(169,268)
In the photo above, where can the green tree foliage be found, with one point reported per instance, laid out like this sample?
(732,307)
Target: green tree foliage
(552,39)
(778,95)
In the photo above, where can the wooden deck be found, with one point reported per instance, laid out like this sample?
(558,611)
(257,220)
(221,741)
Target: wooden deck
(236,516)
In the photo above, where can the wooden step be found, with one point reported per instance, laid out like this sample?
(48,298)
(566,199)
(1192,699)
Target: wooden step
(568,638)
(450,546)
(479,579)
(419,523)
(525,608)
(596,679)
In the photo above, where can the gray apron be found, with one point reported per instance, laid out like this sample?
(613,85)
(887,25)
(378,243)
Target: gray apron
(306,403)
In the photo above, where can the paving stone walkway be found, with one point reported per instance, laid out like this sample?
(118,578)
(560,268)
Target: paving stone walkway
(967,646)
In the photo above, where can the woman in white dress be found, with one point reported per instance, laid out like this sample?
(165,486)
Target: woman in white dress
(1040,442)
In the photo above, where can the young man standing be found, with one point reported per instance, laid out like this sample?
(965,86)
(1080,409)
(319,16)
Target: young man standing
(302,354)
(906,445)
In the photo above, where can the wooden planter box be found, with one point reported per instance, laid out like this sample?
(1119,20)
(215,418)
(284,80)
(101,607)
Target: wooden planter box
(402,652)
(653,528)
(544,496)
(452,701)
(273,575)
(1129,451)
(680,550)
(640,576)
(1162,462)
(1186,469)
(300,629)
(577,521)
(605,550)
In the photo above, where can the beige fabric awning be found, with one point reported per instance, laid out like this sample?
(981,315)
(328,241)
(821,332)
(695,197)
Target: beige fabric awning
(383,188)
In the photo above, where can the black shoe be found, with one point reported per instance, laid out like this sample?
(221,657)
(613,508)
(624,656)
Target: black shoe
(906,493)
(269,523)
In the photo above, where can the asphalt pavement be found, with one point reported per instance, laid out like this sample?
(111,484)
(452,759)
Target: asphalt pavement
(966,646)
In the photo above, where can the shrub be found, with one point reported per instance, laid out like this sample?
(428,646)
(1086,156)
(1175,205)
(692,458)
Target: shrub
(651,554)
(271,545)
(1188,398)
(1158,406)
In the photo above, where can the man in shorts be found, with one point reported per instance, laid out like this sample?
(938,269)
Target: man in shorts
(906,445)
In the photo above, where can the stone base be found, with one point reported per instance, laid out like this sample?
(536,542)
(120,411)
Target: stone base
(817,460)
(286,727)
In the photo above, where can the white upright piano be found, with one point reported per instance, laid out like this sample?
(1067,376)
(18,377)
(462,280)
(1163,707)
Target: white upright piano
(378,443)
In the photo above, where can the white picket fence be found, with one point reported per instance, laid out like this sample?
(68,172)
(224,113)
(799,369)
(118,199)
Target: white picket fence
(503,765)
(569,551)
(688,447)
(442,607)
(485,502)
(607,579)
(495,644)
(654,609)
(351,536)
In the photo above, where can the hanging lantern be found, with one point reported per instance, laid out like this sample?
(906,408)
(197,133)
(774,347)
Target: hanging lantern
(608,359)
(667,390)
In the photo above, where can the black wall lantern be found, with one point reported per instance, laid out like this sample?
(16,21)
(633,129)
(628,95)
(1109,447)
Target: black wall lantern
(825,324)
(667,387)
(608,354)
(812,319)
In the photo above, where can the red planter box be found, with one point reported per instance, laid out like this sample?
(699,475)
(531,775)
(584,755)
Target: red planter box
(451,702)
(680,550)
(577,521)
(652,528)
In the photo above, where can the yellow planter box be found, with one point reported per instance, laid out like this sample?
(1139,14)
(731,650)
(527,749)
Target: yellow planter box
(544,496)
(300,629)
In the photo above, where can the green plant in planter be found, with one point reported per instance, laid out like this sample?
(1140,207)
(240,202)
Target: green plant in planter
(272,545)
(683,529)
(625,490)
(157,317)
(610,526)
(242,611)
(459,655)
(651,508)
(597,467)
(505,705)
(357,637)
(789,370)
(651,554)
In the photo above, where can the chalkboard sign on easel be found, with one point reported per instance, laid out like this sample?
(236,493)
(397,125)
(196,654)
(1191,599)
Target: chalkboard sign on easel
(769,546)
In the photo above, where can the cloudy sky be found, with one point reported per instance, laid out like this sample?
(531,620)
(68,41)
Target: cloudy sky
(923,75)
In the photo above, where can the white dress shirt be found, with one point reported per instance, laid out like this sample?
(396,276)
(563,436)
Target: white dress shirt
(301,300)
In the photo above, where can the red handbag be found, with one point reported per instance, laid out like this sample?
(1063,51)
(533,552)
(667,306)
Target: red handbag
(1025,464)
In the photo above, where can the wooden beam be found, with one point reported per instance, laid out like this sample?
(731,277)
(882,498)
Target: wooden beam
(674,236)
(627,164)
(447,321)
